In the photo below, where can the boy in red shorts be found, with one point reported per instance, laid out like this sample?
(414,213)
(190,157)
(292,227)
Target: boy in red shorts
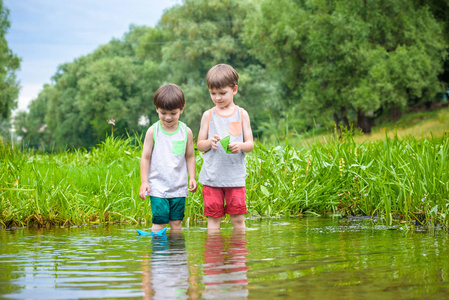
(225,136)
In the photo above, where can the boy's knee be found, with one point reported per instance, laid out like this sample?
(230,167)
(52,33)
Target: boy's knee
(175,225)
(213,223)
(238,221)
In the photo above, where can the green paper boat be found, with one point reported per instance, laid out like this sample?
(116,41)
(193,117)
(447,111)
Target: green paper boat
(225,143)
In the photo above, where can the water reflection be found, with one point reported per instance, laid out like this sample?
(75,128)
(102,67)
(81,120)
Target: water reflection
(310,258)
(225,270)
(165,270)
(169,271)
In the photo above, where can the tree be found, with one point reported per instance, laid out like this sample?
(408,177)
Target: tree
(349,59)
(440,8)
(202,33)
(32,126)
(9,63)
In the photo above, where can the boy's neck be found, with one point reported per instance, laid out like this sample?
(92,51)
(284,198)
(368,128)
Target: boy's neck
(171,128)
(227,109)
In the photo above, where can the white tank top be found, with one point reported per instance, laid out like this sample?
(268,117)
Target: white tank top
(167,176)
(221,169)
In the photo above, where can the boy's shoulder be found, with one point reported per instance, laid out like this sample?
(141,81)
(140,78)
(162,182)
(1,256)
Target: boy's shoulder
(189,131)
(181,123)
(244,111)
(151,128)
(207,113)
(208,110)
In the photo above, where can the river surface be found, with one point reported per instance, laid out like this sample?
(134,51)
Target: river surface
(289,258)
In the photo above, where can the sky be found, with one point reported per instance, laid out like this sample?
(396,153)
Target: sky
(47,33)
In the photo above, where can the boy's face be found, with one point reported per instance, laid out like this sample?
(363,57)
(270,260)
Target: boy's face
(223,97)
(169,118)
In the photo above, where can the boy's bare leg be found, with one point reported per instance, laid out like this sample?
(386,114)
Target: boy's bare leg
(157,227)
(175,225)
(238,221)
(213,223)
(213,231)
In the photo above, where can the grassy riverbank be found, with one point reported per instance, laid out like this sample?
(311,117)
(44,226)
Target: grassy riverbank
(418,124)
(398,180)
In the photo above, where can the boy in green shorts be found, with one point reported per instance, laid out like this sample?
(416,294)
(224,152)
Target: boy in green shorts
(167,158)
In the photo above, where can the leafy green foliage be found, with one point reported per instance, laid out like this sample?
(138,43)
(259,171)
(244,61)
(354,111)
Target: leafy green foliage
(9,63)
(202,34)
(302,64)
(349,57)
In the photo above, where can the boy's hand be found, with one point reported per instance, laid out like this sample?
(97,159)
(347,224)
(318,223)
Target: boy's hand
(214,141)
(192,185)
(235,147)
(144,191)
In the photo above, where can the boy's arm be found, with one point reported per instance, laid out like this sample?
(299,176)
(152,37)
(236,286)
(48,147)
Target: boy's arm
(145,163)
(191,161)
(204,144)
(248,142)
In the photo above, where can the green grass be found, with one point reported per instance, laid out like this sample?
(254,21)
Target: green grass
(419,124)
(401,180)
(72,187)
(398,180)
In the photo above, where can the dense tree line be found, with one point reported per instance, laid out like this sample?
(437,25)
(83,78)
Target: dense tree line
(300,62)
(351,57)
(9,63)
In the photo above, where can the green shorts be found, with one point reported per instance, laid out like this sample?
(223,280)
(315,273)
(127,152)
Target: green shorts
(167,209)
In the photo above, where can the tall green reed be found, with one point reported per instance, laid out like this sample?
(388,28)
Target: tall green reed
(399,180)
(72,187)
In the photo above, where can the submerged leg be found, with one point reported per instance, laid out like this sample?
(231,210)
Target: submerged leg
(175,225)
(158,230)
(213,223)
(157,227)
(238,221)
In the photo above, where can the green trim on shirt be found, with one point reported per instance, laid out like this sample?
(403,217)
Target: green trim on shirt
(158,123)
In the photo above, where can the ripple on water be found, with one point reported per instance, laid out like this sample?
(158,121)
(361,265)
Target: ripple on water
(309,258)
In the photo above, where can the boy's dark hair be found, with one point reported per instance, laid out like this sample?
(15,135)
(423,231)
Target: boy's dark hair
(221,76)
(169,97)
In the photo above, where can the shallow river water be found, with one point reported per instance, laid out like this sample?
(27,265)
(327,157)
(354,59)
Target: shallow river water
(290,258)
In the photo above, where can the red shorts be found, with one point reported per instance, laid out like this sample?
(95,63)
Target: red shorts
(214,201)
